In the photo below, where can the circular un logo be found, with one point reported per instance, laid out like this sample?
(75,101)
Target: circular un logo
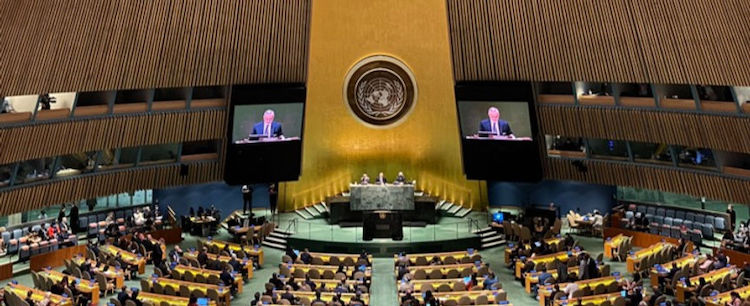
(380,90)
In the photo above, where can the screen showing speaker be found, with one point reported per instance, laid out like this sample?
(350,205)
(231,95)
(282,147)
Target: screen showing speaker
(265,132)
(498,130)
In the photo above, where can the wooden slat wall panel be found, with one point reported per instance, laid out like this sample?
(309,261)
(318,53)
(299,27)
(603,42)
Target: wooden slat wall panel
(27,198)
(686,181)
(86,45)
(727,133)
(59,138)
(665,41)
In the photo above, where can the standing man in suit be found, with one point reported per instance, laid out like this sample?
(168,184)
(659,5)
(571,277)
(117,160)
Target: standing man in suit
(273,196)
(247,199)
(73,217)
(495,125)
(268,128)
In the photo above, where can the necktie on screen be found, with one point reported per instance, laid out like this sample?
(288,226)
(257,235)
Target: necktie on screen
(268,130)
(494,129)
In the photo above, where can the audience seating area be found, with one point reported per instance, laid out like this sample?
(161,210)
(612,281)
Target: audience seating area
(668,221)
(454,278)
(25,242)
(320,281)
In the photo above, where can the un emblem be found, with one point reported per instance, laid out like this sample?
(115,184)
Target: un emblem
(380,90)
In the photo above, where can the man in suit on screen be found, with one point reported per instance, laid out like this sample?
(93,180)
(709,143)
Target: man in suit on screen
(494,125)
(268,128)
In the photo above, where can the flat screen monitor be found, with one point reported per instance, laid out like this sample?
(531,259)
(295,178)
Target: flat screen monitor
(498,131)
(265,133)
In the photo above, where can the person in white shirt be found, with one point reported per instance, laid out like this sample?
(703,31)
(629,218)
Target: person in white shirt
(572,287)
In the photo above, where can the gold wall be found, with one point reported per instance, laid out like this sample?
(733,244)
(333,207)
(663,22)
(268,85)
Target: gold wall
(338,148)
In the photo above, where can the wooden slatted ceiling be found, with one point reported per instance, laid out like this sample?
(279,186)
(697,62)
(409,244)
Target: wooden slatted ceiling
(665,41)
(727,133)
(86,45)
(686,181)
(55,192)
(67,137)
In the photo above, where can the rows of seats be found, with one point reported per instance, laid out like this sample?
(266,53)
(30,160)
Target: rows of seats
(324,273)
(705,221)
(17,242)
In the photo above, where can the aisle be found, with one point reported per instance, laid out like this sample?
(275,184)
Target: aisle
(383,286)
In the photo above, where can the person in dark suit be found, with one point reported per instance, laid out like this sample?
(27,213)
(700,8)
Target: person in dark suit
(381,180)
(287,295)
(203,257)
(273,196)
(228,280)
(305,257)
(268,128)
(400,179)
(247,199)
(495,125)
(73,217)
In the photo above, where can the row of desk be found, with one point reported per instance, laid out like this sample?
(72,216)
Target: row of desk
(556,241)
(459,256)
(545,292)
(640,255)
(247,264)
(88,287)
(252,252)
(716,275)
(561,256)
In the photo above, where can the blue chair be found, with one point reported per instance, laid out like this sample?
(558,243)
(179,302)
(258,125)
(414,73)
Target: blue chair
(688,224)
(101,217)
(695,237)
(708,231)
(629,215)
(719,223)
(641,209)
(665,230)
(6,238)
(17,233)
(659,219)
(668,221)
(677,222)
(651,210)
(83,222)
(675,232)
(690,216)
(12,246)
(670,213)
(700,218)
(680,214)
(650,217)
(661,212)
(710,220)
(654,228)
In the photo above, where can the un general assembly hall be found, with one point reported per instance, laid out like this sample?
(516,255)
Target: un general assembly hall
(375,152)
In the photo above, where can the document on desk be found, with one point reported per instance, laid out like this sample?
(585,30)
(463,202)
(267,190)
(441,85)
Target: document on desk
(381,197)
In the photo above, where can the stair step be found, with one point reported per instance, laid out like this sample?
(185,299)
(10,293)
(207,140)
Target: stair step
(325,206)
(314,213)
(302,213)
(482,230)
(491,238)
(492,244)
(346,194)
(283,232)
(418,193)
(446,206)
(276,240)
(274,245)
(278,235)
(487,234)
(463,212)
(439,204)
(320,208)
(453,210)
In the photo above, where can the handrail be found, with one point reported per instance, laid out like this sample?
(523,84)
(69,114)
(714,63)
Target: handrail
(289,226)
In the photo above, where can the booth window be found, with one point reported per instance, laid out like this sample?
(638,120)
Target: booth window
(608,149)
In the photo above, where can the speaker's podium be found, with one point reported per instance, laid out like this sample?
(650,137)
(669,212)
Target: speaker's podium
(382,224)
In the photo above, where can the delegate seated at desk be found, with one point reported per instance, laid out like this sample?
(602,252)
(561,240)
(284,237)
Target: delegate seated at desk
(381,180)
(268,128)
(400,179)
(494,125)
